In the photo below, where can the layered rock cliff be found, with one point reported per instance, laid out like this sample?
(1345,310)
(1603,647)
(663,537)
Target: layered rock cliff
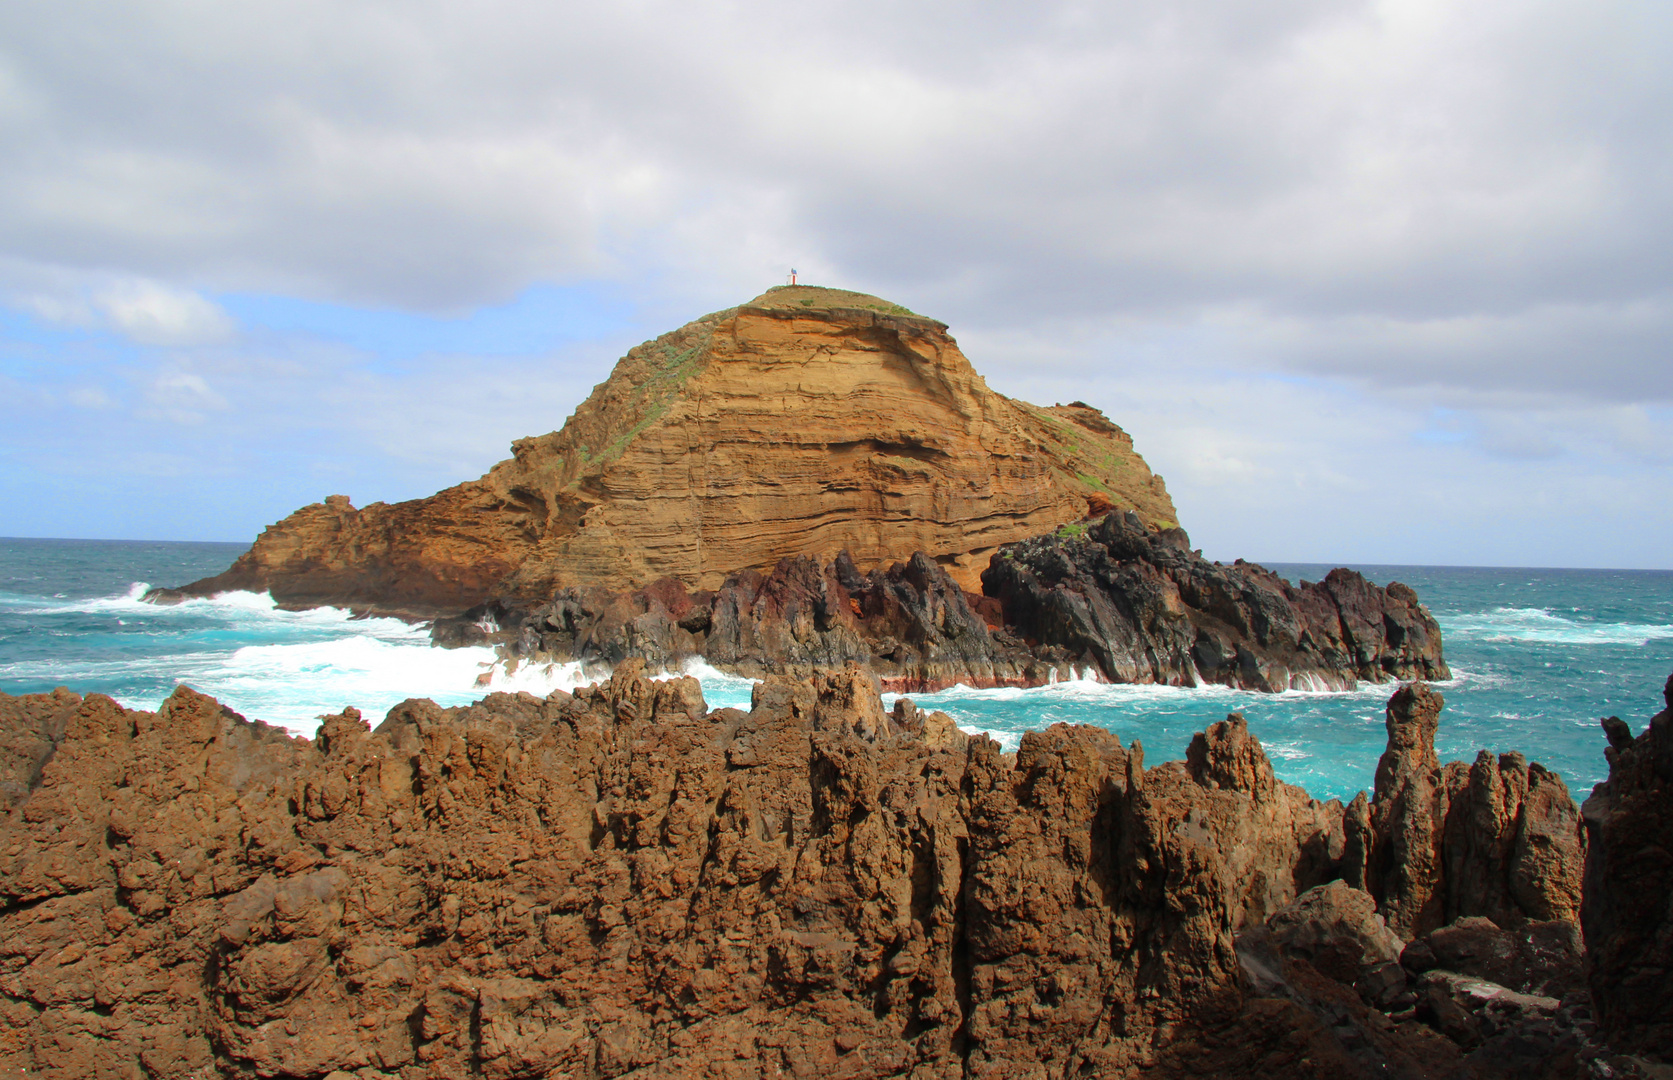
(807,421)
(622,882)
(1111,597)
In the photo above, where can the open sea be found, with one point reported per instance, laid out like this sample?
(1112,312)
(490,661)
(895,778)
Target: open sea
(1537,657)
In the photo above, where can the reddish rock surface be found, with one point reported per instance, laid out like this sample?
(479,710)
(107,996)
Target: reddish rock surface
(1499,838)
(1628,910)
(807,421)
(622,882)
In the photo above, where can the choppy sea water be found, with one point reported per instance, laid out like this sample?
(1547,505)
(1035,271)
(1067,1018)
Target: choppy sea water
(1537,655)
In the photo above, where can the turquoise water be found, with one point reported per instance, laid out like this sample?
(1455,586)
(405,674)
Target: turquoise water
(1538,656)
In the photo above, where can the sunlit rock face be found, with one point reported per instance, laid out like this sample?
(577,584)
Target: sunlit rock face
(807,421)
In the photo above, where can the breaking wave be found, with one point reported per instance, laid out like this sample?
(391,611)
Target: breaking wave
(1541,626)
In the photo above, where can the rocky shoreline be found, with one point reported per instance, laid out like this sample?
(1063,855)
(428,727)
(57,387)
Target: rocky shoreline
(1111,597)
(820,477)
(621,882)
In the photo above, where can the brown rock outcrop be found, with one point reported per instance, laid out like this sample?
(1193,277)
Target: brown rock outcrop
(622,882)
(1499,838)
(1628,910)
(1335,928)
(807,421)
(1541,958)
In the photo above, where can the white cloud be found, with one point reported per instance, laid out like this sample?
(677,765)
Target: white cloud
(181,397)
(151,313)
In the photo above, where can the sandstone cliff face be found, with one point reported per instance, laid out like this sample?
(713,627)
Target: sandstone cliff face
(622,882)
(808,421)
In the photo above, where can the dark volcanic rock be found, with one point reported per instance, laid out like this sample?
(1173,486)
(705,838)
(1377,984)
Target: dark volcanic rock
(1127,604)
(909,624)
(1141,606)
(1628,910)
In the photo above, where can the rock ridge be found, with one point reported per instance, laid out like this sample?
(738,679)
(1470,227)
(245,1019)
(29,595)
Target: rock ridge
(622,882)
(1112,598)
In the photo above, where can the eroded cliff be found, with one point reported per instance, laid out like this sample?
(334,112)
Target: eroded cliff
(807,421)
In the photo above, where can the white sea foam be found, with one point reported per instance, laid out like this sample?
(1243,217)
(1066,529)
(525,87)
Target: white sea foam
(720,690)
(1541,626)
(294,684)
(290,667)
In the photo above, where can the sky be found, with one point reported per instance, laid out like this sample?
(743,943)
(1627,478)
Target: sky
(1367,282)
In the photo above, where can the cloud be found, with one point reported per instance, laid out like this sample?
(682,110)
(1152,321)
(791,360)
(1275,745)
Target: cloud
(154,314)
(1372,210)
(1406,160)
(181,397)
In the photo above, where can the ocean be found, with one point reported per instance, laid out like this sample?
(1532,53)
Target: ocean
(1537,655)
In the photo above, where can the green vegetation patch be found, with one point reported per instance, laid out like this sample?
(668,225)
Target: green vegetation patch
(670,368)
(815,296)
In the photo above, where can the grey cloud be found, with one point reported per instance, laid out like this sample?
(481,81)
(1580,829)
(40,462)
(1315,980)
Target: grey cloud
(1370,180)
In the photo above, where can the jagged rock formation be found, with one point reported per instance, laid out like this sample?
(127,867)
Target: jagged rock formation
(909,624)
(1111,597)
(622,882)
(1628,909)
(807,421)
(1498,839)
(1145,608)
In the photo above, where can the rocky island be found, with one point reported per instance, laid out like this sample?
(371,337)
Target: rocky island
(817,478)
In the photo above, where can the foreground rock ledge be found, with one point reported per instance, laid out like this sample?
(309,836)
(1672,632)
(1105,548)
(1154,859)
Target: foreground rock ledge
(623,882)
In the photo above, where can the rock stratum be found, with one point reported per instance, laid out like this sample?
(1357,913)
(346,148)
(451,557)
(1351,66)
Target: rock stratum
(1113,597)
(806,422)
(623,882)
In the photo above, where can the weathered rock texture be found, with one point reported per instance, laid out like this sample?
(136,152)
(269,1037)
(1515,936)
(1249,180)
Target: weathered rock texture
(1628,910)
(1499,838)
(622,882)
(1143,607)
(808,421)
(910,624)
(1116,599)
